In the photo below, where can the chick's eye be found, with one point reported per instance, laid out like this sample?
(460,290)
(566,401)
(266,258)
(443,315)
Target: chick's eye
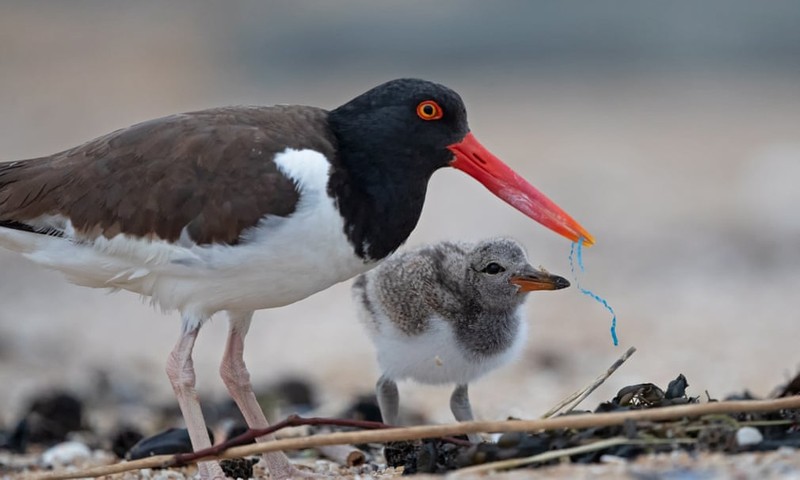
(493,269)
(429,110)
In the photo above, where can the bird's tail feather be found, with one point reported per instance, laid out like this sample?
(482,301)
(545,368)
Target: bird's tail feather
(22,240)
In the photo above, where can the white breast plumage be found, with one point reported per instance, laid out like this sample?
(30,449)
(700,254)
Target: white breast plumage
(435,356)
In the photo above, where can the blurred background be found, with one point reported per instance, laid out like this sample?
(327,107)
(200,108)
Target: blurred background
(671,130)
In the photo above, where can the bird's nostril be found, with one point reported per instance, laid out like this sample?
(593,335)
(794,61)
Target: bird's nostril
(478,158)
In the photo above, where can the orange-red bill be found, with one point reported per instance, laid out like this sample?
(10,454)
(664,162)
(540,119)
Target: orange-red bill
(475,160)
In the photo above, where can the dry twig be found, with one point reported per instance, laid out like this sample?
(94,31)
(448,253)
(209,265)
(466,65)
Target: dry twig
(581,394)
(435,431)
(290,421)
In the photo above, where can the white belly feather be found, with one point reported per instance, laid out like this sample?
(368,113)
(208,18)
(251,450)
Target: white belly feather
(280,261)
(435,356)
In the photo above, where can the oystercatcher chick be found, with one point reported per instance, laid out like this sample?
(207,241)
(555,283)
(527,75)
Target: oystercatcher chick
(447,314)
(238,209)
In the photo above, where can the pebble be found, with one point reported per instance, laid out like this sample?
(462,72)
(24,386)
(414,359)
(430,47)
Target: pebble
(168,475)
(747,436)
(66,453)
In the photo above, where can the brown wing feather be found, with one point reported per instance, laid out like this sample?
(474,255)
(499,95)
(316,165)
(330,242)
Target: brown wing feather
(210,171)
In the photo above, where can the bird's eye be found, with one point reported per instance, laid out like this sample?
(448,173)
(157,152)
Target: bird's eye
(429,110)
(493,269)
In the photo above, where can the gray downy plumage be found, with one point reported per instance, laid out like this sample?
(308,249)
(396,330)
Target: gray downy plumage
(466,285)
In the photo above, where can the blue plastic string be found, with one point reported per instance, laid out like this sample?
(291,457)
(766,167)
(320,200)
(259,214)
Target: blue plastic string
(597,298)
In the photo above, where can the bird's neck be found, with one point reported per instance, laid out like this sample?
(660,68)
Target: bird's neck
(379,185)
(380,204)
(486,333)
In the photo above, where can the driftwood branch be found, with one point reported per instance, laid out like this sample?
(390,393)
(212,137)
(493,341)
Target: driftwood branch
(435,431)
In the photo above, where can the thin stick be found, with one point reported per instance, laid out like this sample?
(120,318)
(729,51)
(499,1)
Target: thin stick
(290,421)
(602,378)
(588,389)
(588,420)
(564,452)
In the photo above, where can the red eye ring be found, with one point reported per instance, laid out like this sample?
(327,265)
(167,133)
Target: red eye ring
(429,110)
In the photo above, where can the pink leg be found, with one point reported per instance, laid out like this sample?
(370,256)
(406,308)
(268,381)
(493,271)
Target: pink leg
(180,371)
(236,377)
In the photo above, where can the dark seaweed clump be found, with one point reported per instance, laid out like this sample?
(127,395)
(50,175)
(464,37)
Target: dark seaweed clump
(717,433)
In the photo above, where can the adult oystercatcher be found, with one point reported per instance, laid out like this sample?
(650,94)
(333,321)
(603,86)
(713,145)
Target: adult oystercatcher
(242,208)
(447,314)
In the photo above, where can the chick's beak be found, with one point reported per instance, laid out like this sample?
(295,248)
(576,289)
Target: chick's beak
(531,279)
